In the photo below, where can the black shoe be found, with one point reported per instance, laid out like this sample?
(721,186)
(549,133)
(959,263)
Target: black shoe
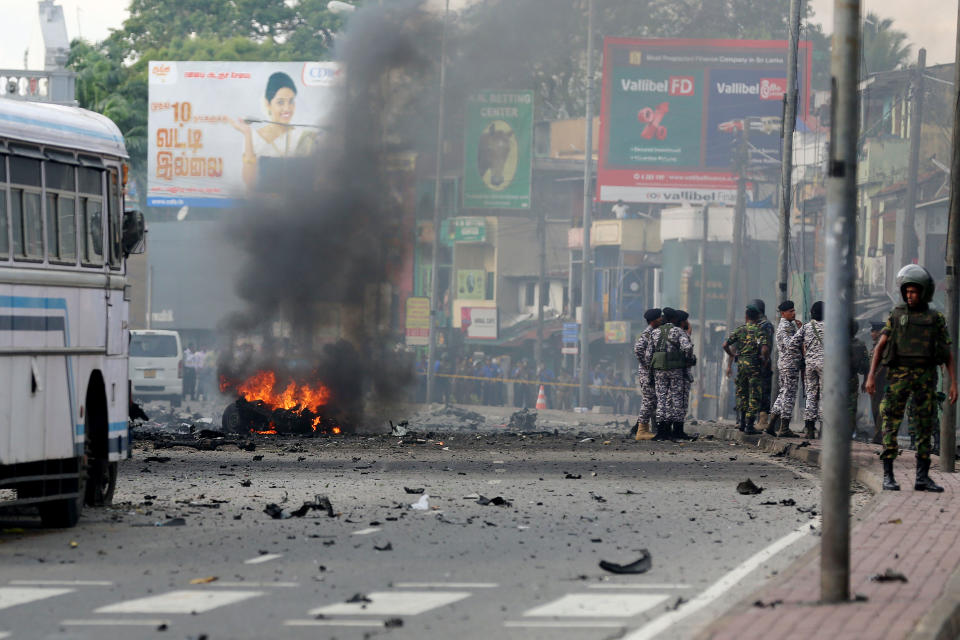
(749,430)
(663,431)
(889,482)
(810,429)
(924,483)
(741,421)
(678,433)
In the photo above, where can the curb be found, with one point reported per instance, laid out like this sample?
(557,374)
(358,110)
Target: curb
(942,621)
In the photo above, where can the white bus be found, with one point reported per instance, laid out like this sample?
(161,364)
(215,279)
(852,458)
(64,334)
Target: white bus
(63,308)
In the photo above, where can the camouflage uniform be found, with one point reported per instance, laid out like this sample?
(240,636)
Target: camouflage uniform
(748,341)
(669,383)
(788,370)
(880,377)
(810,337)
(913,381)
(648,394)
(766,370)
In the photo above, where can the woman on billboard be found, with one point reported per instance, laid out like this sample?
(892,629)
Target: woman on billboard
(266,148)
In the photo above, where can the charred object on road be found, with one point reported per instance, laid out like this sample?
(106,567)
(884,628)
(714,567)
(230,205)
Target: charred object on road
(265,405)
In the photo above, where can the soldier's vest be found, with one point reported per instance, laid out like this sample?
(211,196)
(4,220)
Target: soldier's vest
(914,341)
(662,359)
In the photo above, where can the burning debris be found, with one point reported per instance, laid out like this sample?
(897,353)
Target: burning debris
(264,406)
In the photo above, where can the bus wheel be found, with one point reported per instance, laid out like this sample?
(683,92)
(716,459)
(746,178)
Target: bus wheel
(101,482)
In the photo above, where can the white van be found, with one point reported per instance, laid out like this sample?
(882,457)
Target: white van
(156,365)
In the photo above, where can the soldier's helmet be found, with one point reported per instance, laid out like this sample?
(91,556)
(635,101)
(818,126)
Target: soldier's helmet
(917,275)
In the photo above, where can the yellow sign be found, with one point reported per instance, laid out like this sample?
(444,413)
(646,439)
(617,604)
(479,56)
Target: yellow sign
(616,332)
(418,321)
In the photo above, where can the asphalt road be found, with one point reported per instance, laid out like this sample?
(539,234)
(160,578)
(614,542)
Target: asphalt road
(457,570)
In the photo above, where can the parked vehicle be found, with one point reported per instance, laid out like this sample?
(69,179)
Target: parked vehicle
(156,366)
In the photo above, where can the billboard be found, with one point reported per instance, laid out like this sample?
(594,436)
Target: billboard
(672,111)
(480,322)
(218,130)
(418,321)
(498,158)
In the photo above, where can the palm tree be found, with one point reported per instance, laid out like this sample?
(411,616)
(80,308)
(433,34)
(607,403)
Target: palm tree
(884,48)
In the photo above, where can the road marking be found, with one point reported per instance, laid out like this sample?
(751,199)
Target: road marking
(385,603)
(257,585)
(365,532)
(12,596)
(64,583)
(180,602)
(721,586)
(113,623)
(446,585)
(596,605)
(639,585)
(563,624)
(333,623)
(267,557)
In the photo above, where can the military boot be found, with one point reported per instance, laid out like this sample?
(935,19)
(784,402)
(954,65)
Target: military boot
(889,482)
(810,429)
(643,431)
(678,432)
(923,483)
(663,431)
(784,430)
(765,424)
(749,430)
(741,421)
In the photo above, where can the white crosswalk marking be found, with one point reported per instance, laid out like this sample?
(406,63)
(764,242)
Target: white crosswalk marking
(12,596)
(384,603)
(596,605)
(180,602)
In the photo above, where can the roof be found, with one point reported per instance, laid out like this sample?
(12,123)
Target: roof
(60,126)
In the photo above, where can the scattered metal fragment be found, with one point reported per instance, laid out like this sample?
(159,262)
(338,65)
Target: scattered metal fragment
(767,605)
(889,576)
(523,419)
(392,623)
(640,565)
(571,476)
(417,491)
(359,597)
(499,501)
(386,547)
(747,488)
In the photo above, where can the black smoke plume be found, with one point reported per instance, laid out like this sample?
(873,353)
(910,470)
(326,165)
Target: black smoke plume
(317,250)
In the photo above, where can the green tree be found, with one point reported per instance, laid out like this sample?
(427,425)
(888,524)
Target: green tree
(884,48)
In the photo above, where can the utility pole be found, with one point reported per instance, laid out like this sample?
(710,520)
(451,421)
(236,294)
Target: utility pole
(786,160)
(586,265)
(437,191)
(948,426)
(702,312)
(543,296)
(840,234)
(906,229)
(739,216)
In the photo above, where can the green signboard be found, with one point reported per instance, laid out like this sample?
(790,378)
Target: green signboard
(471,284)
(469,230)
(499,150)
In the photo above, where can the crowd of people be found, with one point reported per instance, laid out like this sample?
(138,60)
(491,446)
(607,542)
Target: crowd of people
(199,372)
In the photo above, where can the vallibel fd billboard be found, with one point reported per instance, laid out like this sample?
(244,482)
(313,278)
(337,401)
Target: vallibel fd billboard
(672,112)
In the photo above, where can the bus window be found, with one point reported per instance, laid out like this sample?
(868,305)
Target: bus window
(115,223)
(90,182)
(25,209)
(92,230)
(4,236)
(61,187)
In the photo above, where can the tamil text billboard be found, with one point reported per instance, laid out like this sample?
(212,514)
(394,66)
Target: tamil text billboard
(219,130)
(672,112)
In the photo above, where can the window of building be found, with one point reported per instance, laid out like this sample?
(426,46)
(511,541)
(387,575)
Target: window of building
(531,294)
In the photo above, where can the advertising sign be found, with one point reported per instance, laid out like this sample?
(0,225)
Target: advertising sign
(570,338)
(471,284)
(499,150)
(672,112)
(616,332)
(219,130)
(480,322)
(418,321)
(469,230)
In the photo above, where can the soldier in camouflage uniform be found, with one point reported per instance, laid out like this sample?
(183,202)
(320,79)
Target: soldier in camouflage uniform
(809,342)
(648,395)
(914,344)
(684,323)
(750,347)
(766,372)
(876,329)
(669,352)
(788,371)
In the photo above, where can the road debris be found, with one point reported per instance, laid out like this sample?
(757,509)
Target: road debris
(204,580)
(320,503)
(497,502)
(747,488)
(889,576)
(416,492)
(422,504)
(393,623)
(767,605)
(386,547)
(640,565)
(357,598)
(524,419)
(160,459)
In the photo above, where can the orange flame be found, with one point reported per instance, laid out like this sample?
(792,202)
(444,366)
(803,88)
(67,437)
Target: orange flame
(296,398)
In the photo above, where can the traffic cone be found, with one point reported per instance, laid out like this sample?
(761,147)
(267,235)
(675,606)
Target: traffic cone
(541,399)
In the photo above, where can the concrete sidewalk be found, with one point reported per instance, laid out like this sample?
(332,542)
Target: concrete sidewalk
(912,532)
